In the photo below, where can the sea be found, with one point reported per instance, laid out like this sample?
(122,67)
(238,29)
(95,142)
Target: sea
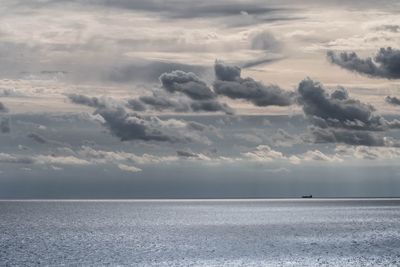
(262,232)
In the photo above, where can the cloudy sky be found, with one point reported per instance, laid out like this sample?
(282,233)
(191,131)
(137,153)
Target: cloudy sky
(135,98)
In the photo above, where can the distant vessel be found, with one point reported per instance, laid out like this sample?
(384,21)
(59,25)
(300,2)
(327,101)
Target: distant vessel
(306,196)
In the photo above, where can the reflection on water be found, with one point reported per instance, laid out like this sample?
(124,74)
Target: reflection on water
(201,233)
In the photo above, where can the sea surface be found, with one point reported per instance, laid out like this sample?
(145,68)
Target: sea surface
(304,232)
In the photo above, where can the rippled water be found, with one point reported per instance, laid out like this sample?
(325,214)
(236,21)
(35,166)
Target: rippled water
(200,233)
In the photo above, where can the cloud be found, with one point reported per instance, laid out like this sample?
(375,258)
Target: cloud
(393,124)
(385,64)
(265,153)
(161,103)
(120,157)
(248,137)
(191,155)
(127,159)
(392,100)
(211,106)
(388,27)
(336,109)
(368,153)
(37,138)
(350,137)
(42,159)
(91,59)
(3,108)
(265,41)
(129,126)
(197,126)
(225,72)
(136,105)
(10,92)
(257,10)
(148,71)
(5,125)
(87,156)
(262,61)
(187,83)
(337,118)
(60,160)
(202,128)
(133,127)
(7,158)
(87,101)
(43,140)
(203,98)
(230,84)
(284,139)
(316,155)
(128,168)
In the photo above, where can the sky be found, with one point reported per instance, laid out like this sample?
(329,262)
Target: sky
(199,99)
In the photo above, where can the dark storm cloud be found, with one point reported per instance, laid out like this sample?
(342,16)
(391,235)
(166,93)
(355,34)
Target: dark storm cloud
(385,64)
(128,126)
(340,94)
(336,109)
(87,101)
(393,124)
(161,103)
(136,105)
(211,106)
(187,83)
(4,121)
(393,100)
(225,72)
(230,84)
(133,127)
(3,108)
(337,118)
(5,125)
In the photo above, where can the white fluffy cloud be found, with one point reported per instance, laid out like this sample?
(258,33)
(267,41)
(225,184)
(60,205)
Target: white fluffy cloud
(264,153)
(128,168)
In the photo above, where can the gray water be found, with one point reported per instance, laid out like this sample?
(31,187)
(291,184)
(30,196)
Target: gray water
(200,233)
